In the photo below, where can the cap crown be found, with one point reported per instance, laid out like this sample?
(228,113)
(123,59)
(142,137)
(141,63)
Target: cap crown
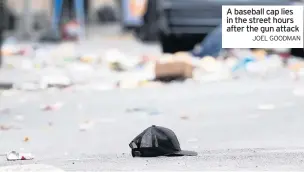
(155,141)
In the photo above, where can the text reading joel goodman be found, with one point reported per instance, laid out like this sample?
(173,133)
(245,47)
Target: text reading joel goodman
(262,26)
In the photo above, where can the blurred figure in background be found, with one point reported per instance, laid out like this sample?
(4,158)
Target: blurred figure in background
(2,27)
(148,31)
(211,45)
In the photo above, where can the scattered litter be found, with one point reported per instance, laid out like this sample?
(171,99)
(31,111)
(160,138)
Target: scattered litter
(13,156)
(26,139)
(71,31)
(56,81)
(266,107)
(8,127)
(52,107)
(78,68)
(5,127)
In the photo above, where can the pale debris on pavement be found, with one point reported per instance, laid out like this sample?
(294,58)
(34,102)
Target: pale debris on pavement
(13,156)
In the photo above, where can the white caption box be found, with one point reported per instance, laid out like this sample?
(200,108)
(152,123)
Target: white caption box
(269,35)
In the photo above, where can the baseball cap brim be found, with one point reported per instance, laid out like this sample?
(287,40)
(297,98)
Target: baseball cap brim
(183,153)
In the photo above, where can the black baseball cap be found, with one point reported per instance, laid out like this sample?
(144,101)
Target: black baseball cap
(157,141)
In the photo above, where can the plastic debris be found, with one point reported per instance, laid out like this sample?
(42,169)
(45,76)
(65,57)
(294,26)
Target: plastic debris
(89,58)
(52,107)
(119,61)
(243,63)
(66,66)
(13,156)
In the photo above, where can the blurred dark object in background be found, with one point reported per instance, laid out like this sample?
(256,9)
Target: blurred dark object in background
(68,11)
(2,26)
(41,21)
(50,36)
(184,23)
(11,20)
(211,46)
(1,42)
(8,18)
(298,52)
(149,30)
(131,14)
(107,14)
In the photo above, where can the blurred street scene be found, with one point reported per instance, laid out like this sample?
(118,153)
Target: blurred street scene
(75,89)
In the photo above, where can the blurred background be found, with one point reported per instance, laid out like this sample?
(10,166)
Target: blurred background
(31,17)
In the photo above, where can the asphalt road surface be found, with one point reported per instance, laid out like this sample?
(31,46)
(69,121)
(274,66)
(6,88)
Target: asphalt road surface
(246,124)
(236,125)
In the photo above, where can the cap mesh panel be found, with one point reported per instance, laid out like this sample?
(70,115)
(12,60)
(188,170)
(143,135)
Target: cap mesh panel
(146,140)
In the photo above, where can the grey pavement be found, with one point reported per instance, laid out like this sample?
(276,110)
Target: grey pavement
(235,125)
(246,124)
